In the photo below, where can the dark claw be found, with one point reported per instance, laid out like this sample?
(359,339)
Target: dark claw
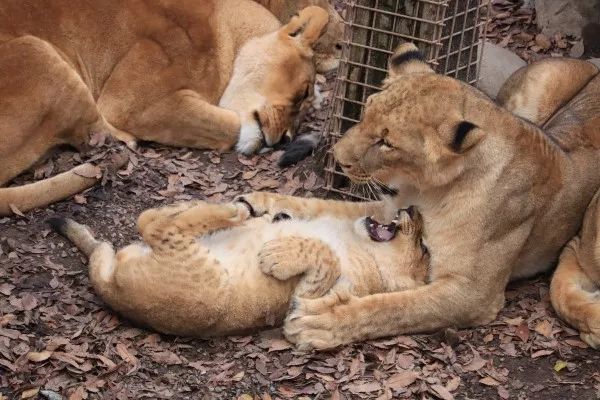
(247,204)
(280,216)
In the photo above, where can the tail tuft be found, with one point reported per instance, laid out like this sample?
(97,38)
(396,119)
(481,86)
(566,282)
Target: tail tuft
(298,150)
(79,234)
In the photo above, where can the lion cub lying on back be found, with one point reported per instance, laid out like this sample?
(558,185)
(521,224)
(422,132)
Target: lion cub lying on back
(203,268)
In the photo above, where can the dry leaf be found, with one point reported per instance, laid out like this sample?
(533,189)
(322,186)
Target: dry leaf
(542,353)
(365,387)
(503,393)
(39,357)
(489,381)
(544,328)
(543,41)
(522,332)
(401,380)
(29,393)
(442,392)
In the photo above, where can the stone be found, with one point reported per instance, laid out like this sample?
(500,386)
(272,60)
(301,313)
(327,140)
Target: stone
(497,64)
(566,16)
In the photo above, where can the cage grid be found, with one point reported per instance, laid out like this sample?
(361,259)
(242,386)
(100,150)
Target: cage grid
(447,32)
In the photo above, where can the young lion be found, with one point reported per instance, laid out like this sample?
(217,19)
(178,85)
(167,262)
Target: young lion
(201,270)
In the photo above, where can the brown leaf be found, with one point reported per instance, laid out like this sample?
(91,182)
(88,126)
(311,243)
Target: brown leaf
(476,363)
(125,354)
(541,353)
(453,384)
(503,393)
(543,41)
(6,288)
(364,387)
(199,366)
(544,328)
(401,380)
(276,344)
(522,332)
(39,357)
(489,381)
(28,302)
(442,392)
(576,343)
(514,321)
(79,199)
(249,174)
(166,357)
(29,393)
(79,394)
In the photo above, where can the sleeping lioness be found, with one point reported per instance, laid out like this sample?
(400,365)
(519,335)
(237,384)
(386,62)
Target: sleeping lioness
(209,74)
(200,269)
(500,196)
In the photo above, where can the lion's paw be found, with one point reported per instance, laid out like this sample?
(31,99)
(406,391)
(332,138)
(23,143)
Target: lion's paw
(274,259)
(318,323)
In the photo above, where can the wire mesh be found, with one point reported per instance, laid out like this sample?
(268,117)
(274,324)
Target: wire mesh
(448,33)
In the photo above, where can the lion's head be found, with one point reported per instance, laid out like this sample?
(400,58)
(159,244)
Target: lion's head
(273,77)
(423,130)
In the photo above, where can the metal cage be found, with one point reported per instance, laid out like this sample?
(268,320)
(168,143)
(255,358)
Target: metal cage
(448,33)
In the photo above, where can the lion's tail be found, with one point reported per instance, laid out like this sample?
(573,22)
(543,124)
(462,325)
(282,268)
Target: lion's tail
(45,192)
(101,255)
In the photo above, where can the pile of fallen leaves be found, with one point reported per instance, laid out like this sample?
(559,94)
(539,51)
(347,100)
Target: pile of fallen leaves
(513,26)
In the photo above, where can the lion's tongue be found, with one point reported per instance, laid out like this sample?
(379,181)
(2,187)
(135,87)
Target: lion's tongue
(380,232)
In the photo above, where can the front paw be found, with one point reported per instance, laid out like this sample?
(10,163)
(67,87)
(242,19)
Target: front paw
(258,203)
(319,323)
(274,259)
(251,138)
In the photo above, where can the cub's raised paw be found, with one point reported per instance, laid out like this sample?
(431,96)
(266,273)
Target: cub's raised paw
(277,260)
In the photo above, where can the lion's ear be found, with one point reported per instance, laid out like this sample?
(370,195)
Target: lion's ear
(466,135)
(308,26)
(407,59)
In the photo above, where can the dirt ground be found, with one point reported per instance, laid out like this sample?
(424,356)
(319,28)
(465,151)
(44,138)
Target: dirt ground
(58,341)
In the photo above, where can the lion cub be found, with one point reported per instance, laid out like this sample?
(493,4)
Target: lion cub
(210,269)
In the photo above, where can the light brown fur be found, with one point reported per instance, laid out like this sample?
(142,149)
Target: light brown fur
(202,74)
(499,202)
(202,269)
(575,288)
(328,47)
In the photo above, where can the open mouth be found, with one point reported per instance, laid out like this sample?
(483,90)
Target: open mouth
(381,232)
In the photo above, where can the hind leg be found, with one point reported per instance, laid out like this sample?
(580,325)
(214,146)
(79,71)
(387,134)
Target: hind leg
(43,103)
(292,256)
(575,297)
(178,226)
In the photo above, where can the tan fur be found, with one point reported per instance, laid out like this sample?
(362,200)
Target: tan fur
(328,47)
(498,204)
(182,73)
(203,269)
(575,288)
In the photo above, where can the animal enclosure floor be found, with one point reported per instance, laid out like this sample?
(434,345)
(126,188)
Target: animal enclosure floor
(55,335)
(58,341)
